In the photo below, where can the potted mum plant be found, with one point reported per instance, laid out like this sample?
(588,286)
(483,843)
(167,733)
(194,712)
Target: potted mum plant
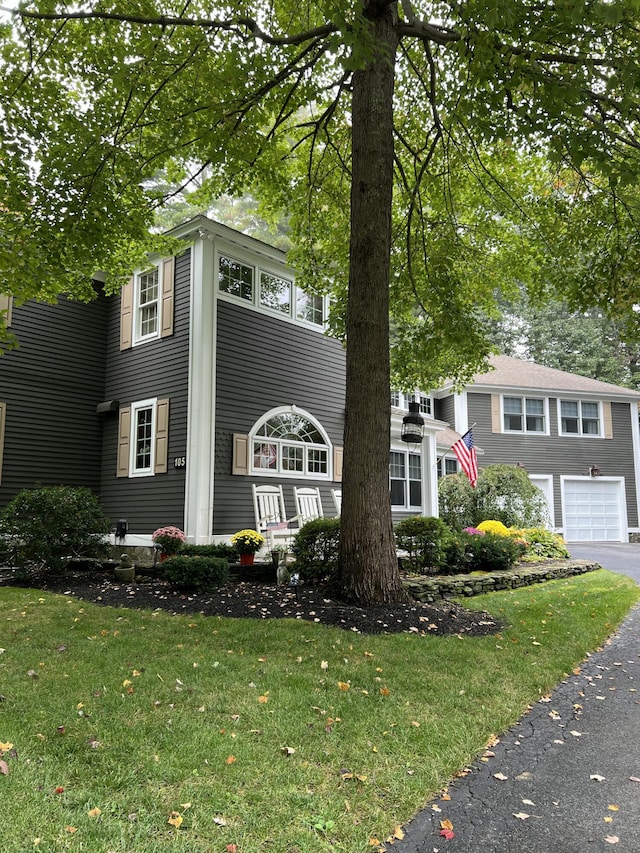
(170,538)
(247,542)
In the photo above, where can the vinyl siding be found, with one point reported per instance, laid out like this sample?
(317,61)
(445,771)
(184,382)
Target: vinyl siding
(556,454)
(155,369)
(264,362)
(51,385)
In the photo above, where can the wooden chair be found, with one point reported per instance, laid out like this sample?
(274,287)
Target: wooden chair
(337,499)
(271,517)
(308,504)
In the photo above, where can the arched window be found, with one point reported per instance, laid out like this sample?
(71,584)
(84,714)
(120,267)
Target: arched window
(291,443)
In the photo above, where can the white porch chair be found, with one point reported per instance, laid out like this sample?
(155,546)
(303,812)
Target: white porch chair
(271,517)
(337,499)
(308,504)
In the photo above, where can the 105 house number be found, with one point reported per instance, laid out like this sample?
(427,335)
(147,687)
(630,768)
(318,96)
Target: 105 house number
(180,462)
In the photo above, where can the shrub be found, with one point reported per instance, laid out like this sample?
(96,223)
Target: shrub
(491,526)
(315,547)
(196,574)
(456,501)
(541,544)
(44,528)
(227,552)
(425,539)
(491,552)
(505,493)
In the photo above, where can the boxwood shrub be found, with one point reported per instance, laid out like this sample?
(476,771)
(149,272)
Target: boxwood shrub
(425,539)
(197,574)
(315,547)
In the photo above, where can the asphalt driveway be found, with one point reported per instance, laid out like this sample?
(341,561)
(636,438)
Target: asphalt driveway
(618,557)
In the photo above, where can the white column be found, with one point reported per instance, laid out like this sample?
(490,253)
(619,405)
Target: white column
(198,510)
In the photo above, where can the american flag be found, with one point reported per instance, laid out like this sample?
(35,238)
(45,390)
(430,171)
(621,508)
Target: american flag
(466,453)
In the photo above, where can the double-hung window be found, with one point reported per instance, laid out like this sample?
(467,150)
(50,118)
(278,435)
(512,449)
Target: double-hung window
(405,478)
(524,414)
(579,417)
(147,304)
(142,438)
(309,308)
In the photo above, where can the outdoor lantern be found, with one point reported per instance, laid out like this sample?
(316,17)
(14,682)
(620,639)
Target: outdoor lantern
(412,425)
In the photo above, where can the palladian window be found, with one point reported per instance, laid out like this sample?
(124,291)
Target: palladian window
(290,443)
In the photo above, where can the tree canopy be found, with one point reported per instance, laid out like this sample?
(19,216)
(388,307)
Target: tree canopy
(391,132)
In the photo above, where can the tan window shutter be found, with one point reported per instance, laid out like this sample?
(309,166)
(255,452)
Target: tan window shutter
(166,317)
(337,464)
(240,461)
(496,424)
(606,417)
(162,436)
(3,418)
(126,316)
(124,437)
(6,304)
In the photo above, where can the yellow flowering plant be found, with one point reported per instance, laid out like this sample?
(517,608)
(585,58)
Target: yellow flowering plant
(247,541)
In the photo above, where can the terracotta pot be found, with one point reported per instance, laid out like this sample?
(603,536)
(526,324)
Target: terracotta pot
(247,559)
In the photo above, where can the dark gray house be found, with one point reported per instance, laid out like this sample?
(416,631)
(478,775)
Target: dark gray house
(208,380)
(578,439)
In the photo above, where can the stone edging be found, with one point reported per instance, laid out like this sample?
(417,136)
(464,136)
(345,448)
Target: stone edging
(436,587)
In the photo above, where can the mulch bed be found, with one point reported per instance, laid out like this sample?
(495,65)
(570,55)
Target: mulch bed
(256,600)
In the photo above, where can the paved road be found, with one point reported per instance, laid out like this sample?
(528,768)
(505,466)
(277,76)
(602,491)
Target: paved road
(623,558)
(566,777)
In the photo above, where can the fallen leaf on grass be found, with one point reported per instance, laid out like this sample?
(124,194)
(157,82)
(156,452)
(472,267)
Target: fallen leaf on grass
(343,685)
(231,759)
(288,750)
(96,812)
(175,819)
(71,829)
(263,699)
(219,821)
(4,768)
(5,747)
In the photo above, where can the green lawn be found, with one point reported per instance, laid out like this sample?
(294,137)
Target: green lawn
(254,736)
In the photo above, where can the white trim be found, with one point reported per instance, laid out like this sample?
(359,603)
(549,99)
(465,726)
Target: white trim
(200,452)
(635,437)
(524,431)
(622,502)
(545,483)
(569,398)
(290,475)
(461,412)
(136,407)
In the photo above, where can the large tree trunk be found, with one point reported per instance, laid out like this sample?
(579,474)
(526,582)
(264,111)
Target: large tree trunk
(368,566)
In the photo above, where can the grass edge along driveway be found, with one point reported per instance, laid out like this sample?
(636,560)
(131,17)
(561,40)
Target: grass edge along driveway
(137,731)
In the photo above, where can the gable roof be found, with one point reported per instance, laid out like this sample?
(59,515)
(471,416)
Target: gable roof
(515,373)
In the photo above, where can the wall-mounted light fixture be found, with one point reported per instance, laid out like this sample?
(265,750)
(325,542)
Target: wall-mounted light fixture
(595,471)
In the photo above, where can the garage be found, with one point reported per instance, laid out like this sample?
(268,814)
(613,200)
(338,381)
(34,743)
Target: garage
(594,509)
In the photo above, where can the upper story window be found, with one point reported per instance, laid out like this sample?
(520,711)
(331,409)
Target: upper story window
(147,292)
(405,478)
(524,414)
(290,443)
(309,308)
(580,417)
(235,278)
(400,400)
(273,292)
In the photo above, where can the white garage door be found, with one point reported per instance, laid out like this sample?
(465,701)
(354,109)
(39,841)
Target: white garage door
(594,510)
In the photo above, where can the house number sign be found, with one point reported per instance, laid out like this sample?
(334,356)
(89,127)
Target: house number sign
(180,462)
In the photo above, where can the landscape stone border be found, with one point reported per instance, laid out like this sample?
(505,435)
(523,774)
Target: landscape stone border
(432,588)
